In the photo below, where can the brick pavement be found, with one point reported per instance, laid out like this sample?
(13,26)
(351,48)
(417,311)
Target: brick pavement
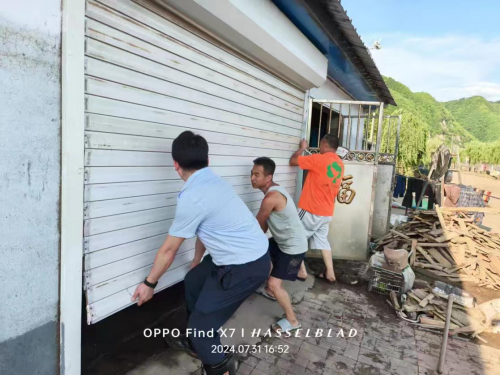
(384,344)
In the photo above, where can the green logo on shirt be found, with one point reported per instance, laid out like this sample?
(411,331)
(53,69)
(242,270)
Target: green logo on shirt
(334,171)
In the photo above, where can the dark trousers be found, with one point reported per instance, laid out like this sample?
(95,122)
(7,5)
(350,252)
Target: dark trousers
(213,294)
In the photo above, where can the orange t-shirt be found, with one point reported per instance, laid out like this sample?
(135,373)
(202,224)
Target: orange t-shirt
(325,172)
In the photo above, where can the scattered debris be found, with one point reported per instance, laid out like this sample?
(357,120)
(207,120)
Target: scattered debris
(450,247)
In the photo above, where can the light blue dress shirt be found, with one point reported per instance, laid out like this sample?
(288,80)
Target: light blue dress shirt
(208,207)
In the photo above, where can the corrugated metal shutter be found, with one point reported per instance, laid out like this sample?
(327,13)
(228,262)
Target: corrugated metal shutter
(147,80)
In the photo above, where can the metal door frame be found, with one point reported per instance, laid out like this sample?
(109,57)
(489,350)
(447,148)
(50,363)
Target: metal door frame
(357,156)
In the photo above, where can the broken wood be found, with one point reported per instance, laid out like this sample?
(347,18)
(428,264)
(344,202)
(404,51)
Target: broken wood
(426,300)
(461,252)
(471,209)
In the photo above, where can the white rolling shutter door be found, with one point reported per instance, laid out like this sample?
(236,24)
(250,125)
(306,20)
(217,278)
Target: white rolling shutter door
(147,80)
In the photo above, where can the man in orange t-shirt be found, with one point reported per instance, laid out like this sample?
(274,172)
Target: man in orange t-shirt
(316,204)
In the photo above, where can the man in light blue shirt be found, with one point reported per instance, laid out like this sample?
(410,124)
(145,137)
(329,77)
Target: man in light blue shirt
(238,261)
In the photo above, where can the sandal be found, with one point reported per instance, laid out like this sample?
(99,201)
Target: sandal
(262,291)
(284,326)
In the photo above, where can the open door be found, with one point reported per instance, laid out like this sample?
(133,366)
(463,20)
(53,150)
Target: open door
(359,128)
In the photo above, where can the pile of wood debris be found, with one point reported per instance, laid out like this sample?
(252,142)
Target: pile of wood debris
(431,310)
(447,244)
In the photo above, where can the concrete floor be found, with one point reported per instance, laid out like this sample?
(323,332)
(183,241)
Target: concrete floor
(383,344)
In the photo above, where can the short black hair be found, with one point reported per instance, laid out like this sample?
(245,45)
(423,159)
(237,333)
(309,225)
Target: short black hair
(332,140)
(190,151)
(267,163)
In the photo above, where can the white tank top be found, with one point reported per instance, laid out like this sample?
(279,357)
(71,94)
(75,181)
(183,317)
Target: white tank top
(285,226)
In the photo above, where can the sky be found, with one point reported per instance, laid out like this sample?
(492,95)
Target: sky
(448,48)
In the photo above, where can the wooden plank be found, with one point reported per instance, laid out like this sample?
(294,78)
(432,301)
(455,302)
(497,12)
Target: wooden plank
(426,255)
(119,301)
(471,245)
(447,237)
(155,29)
(490,210)
(458,253)
(110,72)
(111,116)
(436,267)
(437,255)
(400,234)
(426,300)
(433,244)
(495,264)
(436,232)
(444,252)
(131,94)
(100,175)
(413,252)
(107,53)
(462,225)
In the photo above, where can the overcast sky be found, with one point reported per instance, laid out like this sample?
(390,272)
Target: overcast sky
(448,48)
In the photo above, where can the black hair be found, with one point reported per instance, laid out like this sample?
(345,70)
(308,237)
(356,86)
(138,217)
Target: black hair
(332,141)
(267,163)
(190,151)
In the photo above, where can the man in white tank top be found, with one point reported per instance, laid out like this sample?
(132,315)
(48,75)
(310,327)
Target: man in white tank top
(289,243)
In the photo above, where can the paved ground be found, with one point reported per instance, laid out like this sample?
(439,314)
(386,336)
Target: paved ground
(383,345)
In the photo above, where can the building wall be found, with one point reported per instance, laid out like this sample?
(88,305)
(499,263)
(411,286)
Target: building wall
(329,90)
(30,34)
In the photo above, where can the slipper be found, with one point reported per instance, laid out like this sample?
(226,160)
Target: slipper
(303,279)
(323,277)
(285,326)
(263,293)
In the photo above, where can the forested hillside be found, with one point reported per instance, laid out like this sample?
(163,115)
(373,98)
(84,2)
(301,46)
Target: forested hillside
(473,124)
(478,116)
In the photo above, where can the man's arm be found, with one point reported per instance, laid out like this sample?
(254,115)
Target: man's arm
(266,207)
(163,260)
(199,250)
(294,160)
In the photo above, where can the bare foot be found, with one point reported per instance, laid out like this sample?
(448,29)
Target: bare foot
(302,275)
(328,277)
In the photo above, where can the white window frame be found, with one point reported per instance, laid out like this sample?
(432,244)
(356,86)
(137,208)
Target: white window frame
(72,176)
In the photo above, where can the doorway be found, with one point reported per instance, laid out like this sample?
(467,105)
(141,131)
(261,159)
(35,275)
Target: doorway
(321,116)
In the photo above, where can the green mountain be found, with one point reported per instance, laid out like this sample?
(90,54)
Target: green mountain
(441,122)
(478,116)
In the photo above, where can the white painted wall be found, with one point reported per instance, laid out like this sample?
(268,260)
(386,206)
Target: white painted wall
(329,90)
(259,29)
(30,165)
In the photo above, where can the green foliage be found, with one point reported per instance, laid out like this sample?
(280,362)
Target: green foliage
(427,123)
(480,152)
(412,139)
(440,121)
(478,116)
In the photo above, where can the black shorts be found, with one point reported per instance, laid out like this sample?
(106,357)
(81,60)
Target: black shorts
(285,266)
